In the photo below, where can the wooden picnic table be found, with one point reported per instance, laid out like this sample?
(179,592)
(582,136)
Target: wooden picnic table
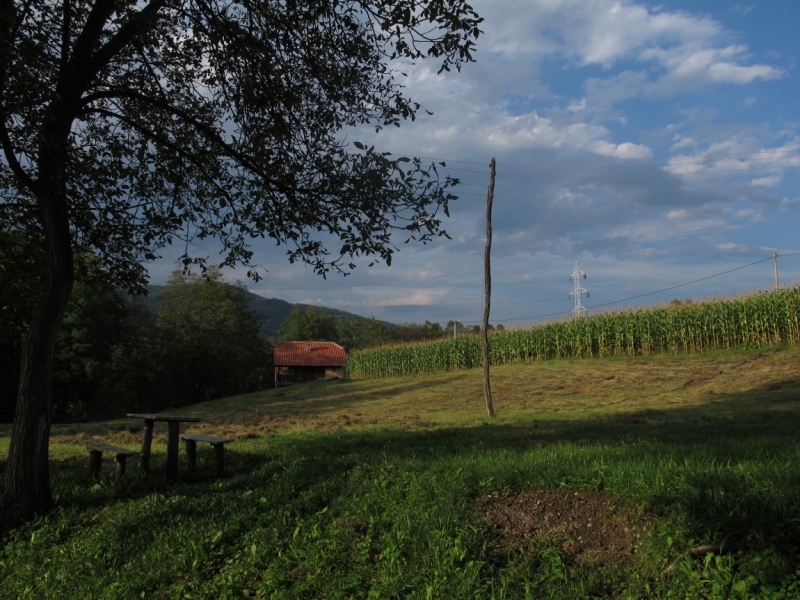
(173,423)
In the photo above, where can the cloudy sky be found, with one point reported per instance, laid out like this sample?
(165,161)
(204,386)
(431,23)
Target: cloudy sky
(655,143)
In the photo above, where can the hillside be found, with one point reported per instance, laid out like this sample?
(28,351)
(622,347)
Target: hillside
(273,310)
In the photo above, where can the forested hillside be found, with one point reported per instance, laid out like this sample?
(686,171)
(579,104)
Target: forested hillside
(273,310)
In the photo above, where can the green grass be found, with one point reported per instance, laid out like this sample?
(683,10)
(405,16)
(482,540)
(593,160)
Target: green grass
(374,489)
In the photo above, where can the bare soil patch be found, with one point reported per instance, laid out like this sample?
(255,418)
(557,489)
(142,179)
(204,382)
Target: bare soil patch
(592,528)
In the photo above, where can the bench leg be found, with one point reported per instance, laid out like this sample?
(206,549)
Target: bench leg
(219,450)
(191,453)
(121,460)
(147,441)
(173,439)
(95,460)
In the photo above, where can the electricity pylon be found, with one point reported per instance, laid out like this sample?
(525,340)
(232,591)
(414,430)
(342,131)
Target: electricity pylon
(577,291)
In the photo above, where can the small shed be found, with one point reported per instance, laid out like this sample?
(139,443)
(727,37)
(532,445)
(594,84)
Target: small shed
(296,362)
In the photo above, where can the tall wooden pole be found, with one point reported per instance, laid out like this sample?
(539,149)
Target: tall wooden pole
(775,262)
(487,279)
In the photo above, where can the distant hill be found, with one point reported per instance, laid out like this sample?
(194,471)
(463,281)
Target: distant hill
(273,310)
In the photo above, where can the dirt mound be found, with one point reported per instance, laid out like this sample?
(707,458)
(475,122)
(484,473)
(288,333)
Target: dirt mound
(591,527)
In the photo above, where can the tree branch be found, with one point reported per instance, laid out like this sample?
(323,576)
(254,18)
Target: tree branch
(92,30)
(11,158)
(103,56)
(205,130)
(161,140)
(65,36)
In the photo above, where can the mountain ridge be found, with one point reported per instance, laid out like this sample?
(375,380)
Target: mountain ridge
(272,310)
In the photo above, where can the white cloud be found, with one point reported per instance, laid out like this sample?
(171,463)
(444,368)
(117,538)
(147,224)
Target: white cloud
(739,155)
(768,181)
(691,68)
(681,141)
(690,51)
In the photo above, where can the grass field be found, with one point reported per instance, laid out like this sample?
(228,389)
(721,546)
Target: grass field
(595,480)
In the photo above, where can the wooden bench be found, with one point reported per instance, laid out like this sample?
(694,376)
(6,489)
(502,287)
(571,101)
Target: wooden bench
(191,440)
(96,458)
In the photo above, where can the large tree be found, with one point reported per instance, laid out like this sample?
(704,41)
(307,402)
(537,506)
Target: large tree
(211,341)
(128,125)
(309,324)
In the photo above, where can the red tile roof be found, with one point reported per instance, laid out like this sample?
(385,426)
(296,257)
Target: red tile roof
(308,354)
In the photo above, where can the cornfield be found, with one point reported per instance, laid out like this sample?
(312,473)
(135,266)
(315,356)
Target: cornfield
(760,320)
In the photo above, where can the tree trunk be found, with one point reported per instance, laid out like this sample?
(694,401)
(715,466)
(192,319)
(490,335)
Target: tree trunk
(27,471)
(62,403)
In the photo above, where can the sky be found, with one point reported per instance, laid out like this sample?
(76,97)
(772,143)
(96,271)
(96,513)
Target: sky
(656,144)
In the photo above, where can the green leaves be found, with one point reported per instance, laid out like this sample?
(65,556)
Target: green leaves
(311,324)
(223,123)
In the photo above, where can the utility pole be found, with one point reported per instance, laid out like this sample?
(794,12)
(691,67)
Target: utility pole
(487,286)
(577,291)
(775,262)
(454,329)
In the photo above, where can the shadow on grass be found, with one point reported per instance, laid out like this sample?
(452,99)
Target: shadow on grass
(702,446)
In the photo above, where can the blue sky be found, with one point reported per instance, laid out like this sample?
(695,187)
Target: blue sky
(654,143)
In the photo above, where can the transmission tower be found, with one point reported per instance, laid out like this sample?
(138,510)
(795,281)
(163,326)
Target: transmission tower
(577,291)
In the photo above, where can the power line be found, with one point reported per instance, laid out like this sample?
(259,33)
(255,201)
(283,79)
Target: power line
(684,284)
(475,284)
(377,306)
(382,286)
(662,165)
(653,176)
(610,159)
(755,170)
(699,156)
(640,295)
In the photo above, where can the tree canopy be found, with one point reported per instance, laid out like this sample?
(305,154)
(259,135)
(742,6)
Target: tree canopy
(126,126)
(311,324)
(212,343)
(165,121)
(356,334)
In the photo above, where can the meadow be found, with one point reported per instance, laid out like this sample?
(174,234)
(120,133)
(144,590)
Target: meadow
(596,479)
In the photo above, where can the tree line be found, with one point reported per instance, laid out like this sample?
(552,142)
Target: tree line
(357,334)
(113,356)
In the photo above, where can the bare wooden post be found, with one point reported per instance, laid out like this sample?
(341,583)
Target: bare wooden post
(219,451)
(172,450)
(191,453)
(121,460)
(775,263)
(487,278)
(95,460)
(147,441)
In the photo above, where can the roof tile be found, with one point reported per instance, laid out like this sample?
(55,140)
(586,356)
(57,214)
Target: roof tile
(308,354)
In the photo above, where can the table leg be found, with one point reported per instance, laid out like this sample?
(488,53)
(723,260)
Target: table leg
(191,454)
(120,470)
(172,450)
(147,440)
(219,450)
(95,460)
